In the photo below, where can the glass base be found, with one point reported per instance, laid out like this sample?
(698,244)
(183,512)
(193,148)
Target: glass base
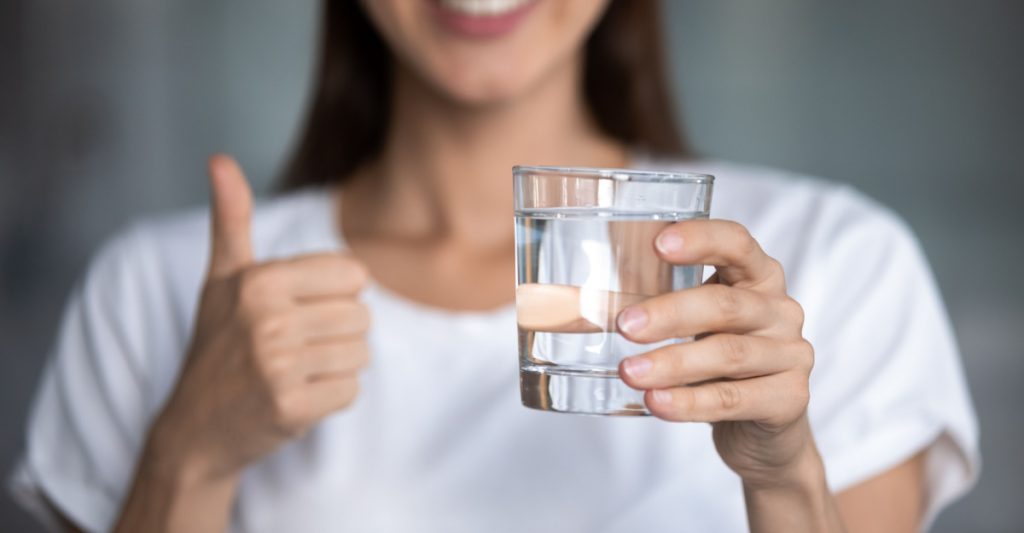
(568,391)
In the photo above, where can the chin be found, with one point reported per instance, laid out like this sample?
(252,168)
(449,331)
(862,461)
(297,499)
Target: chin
(481,86)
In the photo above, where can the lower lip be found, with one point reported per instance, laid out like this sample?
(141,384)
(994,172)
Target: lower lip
(480,26)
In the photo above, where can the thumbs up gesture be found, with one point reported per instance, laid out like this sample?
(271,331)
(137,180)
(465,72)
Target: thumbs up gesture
(276,346)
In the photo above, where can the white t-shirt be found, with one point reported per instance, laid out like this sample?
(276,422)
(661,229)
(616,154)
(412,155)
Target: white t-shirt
(437,439)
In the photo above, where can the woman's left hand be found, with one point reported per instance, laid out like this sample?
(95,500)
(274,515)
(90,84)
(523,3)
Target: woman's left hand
(747,372)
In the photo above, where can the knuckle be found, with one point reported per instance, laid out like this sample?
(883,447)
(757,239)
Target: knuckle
(346,267)
(733,228)
(736,351)
(354,269)
(360,316)
(728,302)
(776,268)
(272,367)
(289,412)
(729,396)
(268,326)
(345,392)
(805,352)
(351,356)
(793,311)
(741,236)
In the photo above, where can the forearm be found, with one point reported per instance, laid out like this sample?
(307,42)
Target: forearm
(171,493)
(801,502)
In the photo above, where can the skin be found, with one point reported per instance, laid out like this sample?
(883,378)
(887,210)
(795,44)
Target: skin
(435,205)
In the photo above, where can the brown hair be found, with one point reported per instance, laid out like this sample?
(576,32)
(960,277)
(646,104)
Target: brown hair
(625,84)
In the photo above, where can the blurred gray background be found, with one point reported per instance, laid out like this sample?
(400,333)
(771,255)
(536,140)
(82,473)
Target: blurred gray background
(108,109)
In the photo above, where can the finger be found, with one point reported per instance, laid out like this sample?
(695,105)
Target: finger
(331,321)
(332,360)
(736,255)
(569,309)
(284,283)
(715,357)
(326,360)
(771,400)
(230,213)
(704,309)
(325,396)
(324,275)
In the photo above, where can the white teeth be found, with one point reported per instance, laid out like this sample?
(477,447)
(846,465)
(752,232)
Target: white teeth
(486,8)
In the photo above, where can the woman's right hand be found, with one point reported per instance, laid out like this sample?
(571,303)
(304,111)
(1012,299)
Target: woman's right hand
(276,346)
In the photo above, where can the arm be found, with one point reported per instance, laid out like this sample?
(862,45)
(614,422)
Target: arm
(170,492)
(163,498)
(800,501)
(891,502)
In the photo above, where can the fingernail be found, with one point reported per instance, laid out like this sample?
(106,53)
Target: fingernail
(669,243)
(632,320)
(637,367)
(661,396)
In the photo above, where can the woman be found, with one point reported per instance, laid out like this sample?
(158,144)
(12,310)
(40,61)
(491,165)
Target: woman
(342,360)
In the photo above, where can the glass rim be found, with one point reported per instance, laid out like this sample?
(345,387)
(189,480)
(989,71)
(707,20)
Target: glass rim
(617,174)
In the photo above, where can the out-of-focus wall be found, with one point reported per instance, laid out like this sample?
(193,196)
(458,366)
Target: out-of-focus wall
(108,109)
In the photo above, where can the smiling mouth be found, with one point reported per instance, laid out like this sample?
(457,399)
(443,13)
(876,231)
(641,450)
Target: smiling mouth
(483,8)
(481,18)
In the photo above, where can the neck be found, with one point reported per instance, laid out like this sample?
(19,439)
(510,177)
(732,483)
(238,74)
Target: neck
(445,172)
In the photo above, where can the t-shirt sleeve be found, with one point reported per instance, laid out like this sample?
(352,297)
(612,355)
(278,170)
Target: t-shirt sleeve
(888,381)
(88,416)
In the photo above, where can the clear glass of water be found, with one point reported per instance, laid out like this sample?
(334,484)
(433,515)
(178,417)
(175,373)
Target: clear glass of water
(584,251)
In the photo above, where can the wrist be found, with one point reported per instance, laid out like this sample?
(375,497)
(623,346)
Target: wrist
(177,458)
(805,471)
(797,498)
(173,489)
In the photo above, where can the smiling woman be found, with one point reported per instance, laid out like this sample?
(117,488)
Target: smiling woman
(342,357)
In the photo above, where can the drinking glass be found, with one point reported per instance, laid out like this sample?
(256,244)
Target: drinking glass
(584,251)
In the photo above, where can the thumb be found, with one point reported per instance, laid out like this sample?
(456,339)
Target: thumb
(230,212)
